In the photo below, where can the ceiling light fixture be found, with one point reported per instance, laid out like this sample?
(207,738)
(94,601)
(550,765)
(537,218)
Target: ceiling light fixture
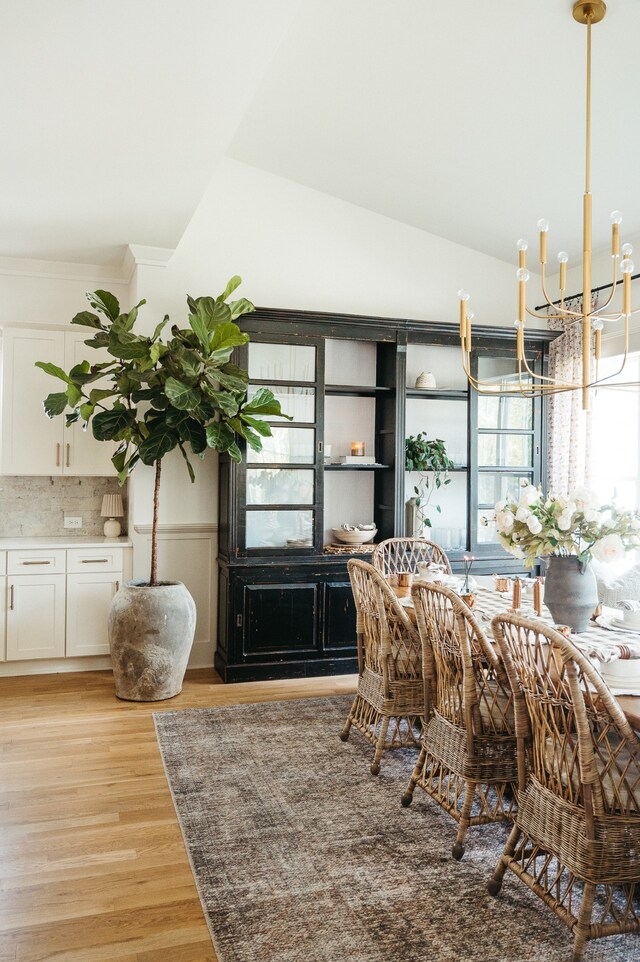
(591,318)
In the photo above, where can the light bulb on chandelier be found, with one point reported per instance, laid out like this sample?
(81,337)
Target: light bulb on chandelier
(591,317)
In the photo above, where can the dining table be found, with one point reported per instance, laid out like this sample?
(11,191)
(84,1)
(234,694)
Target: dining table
(597,641)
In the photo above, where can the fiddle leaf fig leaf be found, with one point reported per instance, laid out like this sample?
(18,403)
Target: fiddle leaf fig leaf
(159,443)
(88,319)
(53,370)
(55,404)
(74,395)
(238,308)
(105,303)
(264,402)
(111,425)
(188,463)
(233,283)
(182,396)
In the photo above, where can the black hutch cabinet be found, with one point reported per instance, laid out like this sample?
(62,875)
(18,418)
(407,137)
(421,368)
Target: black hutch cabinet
(285,607)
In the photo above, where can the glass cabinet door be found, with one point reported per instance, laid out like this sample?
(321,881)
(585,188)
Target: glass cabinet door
(506,445)
(282,482)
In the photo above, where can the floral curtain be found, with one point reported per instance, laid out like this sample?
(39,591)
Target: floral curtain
(569,427)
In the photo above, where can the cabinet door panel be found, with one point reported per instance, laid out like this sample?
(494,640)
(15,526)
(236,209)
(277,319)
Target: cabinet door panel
(89,598)
(35,616)
(83,455)
(280,618)
(339,622)
(31,442)
(3,614)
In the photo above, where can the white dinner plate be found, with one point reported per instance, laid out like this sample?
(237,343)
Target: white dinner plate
(611,623)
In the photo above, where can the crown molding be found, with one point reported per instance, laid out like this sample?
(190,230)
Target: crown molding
(60,270)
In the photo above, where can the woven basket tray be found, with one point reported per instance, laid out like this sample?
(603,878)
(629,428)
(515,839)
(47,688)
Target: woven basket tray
(349,548)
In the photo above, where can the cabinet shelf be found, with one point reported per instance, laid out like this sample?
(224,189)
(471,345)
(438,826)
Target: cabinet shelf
(357,467)
(433,394)
(356,390)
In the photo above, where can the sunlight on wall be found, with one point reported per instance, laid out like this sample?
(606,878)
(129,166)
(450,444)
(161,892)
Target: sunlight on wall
(615,460)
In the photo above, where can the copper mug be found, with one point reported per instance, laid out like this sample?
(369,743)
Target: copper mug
(404,579)
(501,583)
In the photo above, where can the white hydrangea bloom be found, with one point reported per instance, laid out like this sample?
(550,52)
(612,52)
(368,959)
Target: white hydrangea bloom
(522,513)
(534,525)
(564,520)
(610,548)
(529,495)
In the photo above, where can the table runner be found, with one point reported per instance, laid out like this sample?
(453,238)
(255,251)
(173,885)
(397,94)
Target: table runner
(596,642)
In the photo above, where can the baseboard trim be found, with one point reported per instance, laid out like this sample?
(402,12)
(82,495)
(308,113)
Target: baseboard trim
(52,666)
(176,528)
(202,654)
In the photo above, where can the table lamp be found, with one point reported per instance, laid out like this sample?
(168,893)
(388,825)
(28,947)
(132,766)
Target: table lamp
(112,509)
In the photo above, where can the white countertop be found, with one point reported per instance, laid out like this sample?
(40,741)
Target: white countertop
(67,541)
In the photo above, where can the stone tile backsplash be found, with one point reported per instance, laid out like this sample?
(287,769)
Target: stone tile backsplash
(36,507)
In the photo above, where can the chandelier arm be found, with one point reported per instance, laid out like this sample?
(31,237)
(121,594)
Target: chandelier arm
(565,310)
(477,383)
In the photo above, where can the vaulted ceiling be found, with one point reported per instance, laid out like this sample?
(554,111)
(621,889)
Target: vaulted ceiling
(462,119)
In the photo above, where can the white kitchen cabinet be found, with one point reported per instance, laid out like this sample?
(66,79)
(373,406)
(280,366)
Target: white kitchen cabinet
(58,599)
(35,616)
(88,599)
(3,605)
(30,442)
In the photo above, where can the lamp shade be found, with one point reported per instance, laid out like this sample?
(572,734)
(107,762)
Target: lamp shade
(112,506)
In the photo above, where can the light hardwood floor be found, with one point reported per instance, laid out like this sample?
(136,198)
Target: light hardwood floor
(92,863)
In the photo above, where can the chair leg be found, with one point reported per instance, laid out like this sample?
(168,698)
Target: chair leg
(495,882)
(382,737)
(465,817)
(584,921)
(344,734)
(407,798)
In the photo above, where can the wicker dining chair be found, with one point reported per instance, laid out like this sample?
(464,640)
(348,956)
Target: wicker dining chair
(403,555)
(576,836)
(390,683)
(468,761)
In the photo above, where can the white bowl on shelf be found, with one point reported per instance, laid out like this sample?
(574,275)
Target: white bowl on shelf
(354,537)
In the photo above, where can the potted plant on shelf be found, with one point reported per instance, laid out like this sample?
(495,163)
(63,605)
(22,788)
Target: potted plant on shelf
(567,532)
(431,461)
(153,396)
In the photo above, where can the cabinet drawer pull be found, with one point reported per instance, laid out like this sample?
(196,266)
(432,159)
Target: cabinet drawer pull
(117,587)
(11,605)
(35,562)
(94,561)
(68,455)
(57,455)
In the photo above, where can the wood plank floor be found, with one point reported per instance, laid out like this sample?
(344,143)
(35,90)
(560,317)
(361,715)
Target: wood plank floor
(92,863)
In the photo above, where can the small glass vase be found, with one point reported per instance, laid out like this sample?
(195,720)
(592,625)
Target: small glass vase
(570,592)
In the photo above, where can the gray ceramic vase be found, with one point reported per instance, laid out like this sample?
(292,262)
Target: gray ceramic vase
(150,635)
(570,592)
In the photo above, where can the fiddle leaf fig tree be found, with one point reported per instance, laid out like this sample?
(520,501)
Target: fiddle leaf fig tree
(431,461)
(154,395)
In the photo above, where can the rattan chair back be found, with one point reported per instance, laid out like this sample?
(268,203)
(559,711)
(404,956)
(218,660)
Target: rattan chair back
(403,555)
(388,643)
(579,744)
(470,687)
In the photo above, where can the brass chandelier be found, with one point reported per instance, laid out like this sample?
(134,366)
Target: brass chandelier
(591,318)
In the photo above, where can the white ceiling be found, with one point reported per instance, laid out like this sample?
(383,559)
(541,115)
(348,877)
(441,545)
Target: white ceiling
(463,119)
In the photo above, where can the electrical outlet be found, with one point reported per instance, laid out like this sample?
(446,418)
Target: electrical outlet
(73,522)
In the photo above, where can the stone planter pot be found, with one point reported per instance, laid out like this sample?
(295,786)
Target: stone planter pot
(150,634)
(570,592)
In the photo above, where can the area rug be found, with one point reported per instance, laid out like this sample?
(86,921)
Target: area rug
(301,855)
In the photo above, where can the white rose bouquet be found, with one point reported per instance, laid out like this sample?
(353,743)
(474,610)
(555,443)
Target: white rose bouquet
(532,526)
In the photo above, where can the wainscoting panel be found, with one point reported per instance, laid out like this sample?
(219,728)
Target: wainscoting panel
(186,553)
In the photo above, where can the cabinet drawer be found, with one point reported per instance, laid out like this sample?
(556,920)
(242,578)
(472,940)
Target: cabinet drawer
(36,562)
(86,560)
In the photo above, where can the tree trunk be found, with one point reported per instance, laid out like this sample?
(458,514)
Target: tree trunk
(153,580)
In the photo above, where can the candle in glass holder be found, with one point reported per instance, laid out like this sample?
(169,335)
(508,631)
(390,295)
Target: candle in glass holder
(357,449)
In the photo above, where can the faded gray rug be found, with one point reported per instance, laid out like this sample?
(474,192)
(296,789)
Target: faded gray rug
(301,855)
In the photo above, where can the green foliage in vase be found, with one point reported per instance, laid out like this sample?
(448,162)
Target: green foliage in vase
(156,395)
(431,461)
